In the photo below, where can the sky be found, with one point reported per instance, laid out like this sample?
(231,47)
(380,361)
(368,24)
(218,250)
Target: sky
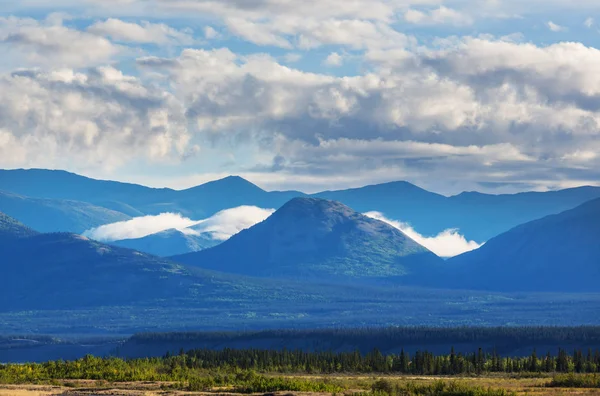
(457,95)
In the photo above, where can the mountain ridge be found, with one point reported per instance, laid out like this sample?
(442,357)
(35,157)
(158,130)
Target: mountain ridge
(558,252)
(316,238)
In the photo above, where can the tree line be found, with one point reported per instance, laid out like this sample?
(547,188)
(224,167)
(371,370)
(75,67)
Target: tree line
(228,364)
(419,363)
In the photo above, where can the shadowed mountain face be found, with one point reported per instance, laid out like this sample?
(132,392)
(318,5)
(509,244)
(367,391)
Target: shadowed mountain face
(64,271)
(169,243)
(556,253)
(55,215)
(315,238)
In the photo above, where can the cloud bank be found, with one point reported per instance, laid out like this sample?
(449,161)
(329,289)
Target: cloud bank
(221,226)
(139,227)
(448,243)
(229,222)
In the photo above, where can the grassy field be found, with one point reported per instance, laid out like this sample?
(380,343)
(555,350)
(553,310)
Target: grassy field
(347,385)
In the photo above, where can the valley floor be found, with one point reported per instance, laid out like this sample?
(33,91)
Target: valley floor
(354,384)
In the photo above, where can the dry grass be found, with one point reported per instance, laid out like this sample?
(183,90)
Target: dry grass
(522,386)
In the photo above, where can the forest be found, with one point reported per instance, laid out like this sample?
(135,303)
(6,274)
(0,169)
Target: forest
(228,364)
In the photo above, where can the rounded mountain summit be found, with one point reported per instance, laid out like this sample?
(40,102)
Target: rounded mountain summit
(317,238)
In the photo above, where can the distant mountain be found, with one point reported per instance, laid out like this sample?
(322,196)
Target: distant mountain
(168,243)
(556,253)
(57,215)
(134,200)
(320,239)
(478,216)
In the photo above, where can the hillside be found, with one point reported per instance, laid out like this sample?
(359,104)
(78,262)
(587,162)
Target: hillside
(316,238)
(12,229)
(168,243)
(57,215)
(556,253)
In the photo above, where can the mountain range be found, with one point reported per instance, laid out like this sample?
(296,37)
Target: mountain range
(478,216)
(312,261)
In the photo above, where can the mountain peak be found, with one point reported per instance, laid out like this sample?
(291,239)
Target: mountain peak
(317,238)
(230,184)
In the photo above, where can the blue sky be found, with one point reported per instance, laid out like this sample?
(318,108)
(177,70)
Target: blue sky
(495,96)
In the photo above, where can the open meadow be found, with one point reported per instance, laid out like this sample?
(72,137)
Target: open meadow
(337,384)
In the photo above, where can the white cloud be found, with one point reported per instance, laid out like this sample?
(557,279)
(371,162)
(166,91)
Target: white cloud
(99,119)
(554,27)
(334,60)
(210,33)
(589,22)
(139,227)
(144,32)
(229,222)
(220,227)
(50,44)
(438,16)
(448,243)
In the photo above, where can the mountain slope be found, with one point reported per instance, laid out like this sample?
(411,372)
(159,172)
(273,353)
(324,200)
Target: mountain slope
(168,243)
(56,215)
(12,229)
(556,253)
(315,238)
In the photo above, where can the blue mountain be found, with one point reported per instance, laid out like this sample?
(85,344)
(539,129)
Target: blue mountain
(556,253)
(169,243)
(318,239)
(478,216)
(57,215)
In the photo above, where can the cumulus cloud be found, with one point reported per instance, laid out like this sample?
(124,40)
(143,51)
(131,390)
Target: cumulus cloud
(476,109)
(101,118)
(139,227)
(144,32)
(220,227)
(448,243)
(50,44)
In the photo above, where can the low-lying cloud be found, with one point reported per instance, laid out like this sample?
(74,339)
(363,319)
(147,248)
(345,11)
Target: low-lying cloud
(448,243)
(139,227)
(221,226)
(229,222)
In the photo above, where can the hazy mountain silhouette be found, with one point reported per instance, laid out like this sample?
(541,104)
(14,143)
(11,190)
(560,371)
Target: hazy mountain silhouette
(478,216)
(316,238)
(169,243)
(556,253)
(56,215)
